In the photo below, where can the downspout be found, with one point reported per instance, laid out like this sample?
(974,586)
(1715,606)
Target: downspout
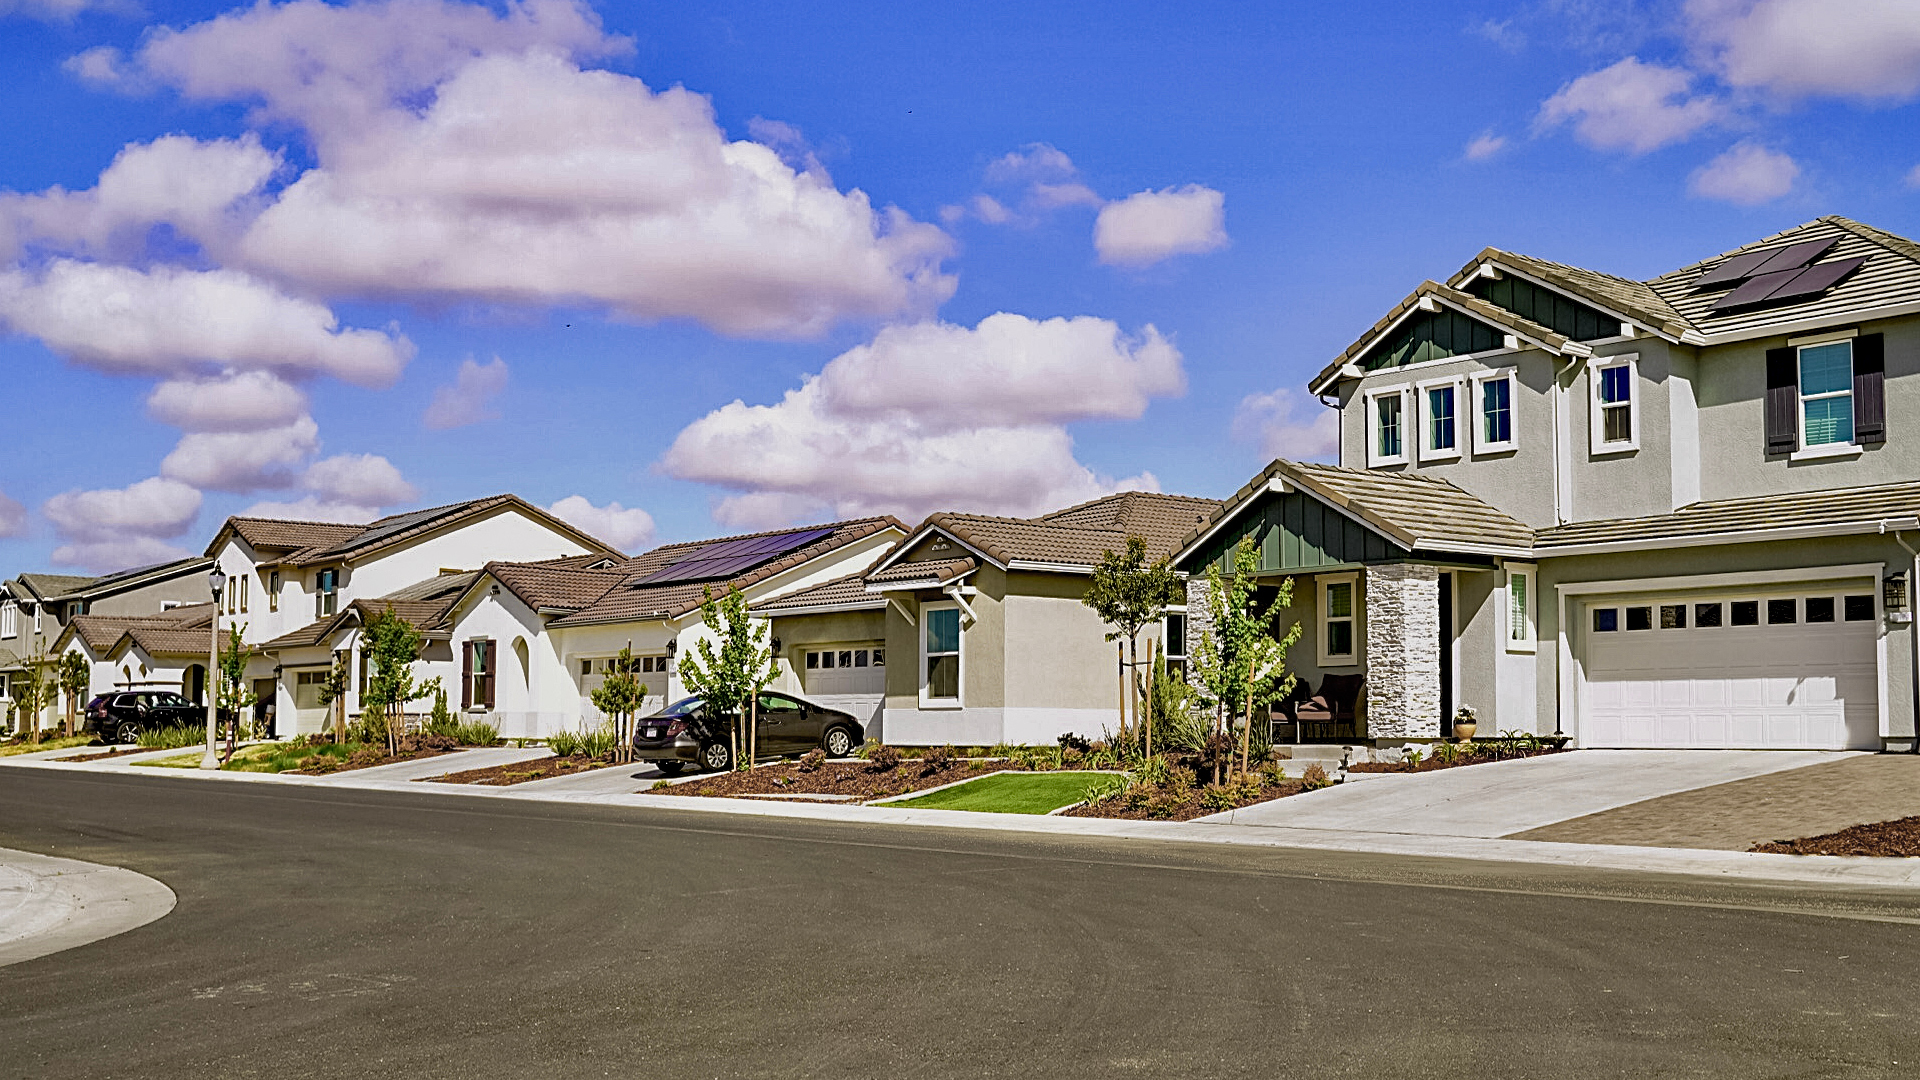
(1913,638)
(1562,508)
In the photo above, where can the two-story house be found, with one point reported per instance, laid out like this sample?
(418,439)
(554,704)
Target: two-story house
(1681,512)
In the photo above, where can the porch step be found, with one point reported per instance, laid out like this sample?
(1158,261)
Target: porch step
(1328,754)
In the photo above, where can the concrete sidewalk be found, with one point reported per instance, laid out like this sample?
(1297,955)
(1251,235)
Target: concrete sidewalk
(1503,798)
(439,764)
(49,904)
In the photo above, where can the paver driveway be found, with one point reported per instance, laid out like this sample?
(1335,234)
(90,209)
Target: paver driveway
(1508,797)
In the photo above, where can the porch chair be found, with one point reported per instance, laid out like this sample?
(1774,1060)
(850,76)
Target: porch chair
(1330,713)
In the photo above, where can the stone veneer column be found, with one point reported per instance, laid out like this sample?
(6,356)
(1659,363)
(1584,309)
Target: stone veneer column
(1403,651)
(1199,616)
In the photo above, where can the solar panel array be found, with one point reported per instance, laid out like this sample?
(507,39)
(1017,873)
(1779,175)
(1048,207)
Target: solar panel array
(1784,285)
(726,558)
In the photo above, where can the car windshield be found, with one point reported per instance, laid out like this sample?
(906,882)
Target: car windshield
(684,707)
(169,701)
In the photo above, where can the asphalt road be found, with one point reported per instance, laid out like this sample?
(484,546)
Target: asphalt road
(361,934)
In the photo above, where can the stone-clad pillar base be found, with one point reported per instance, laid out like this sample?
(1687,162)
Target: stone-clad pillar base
(1403,651)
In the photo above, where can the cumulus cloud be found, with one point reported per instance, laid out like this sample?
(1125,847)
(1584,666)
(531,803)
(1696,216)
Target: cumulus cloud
(470,399)
(1485,145)
(313,508)
(627,529)
(114,528)
(1864,49)
(466,155)
(13,517)
(931,416)
(1630,106)
(167,321)
(1748,174)
(1149,226)
(360,479)
(54,10)
(230,401)
(1913,178)
(243,461)
(1287,423)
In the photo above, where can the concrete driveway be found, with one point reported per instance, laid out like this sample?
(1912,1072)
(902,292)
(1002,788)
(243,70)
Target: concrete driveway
(1514,796)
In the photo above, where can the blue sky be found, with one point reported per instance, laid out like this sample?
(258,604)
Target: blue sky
(1000,257)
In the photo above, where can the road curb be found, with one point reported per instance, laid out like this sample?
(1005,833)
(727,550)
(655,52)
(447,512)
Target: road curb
(49,904)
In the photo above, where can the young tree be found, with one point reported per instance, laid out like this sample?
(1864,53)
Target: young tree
(31,691)
(731,679)
(619,697)
(1128,592)
(74,675)
(1240,662)
(232,694)
(333,694)
(391,645)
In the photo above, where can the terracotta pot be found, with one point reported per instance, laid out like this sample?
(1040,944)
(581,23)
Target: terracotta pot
(1464,732)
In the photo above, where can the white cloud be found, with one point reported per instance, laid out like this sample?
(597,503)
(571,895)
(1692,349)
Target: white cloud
(932,416)
(627,529)
(13,517)
(1913,178)
(1748,174)
(1630,106)
(1149,226)
(231,401)
(243,461)
(168,321)
(1865,49)
(470,399)
(464,155)
(1501,32)
(313,508)
(1288,423)
(1485,145)
(1032,163)
(360,480)
(55,10)
(119,527)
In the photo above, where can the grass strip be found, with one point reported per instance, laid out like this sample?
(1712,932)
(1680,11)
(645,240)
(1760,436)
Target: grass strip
(62,743)
(1010,793)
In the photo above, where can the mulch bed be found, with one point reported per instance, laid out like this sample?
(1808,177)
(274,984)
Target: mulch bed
(523,771)
(1899,838)
(1430,765)
(860,779)
(350,764)
(1168,809)
(102,755)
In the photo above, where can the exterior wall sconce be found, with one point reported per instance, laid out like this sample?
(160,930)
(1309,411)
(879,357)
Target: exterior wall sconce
(1893,597)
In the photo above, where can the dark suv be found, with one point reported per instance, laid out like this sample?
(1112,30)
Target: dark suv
(120,717)
(683,734)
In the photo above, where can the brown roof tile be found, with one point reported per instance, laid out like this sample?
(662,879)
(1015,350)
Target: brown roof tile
(1864,507)
(847,593)
(278,535)
(545,587)
(937,570)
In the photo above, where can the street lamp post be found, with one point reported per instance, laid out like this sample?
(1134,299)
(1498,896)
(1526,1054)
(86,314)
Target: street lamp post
(217,581)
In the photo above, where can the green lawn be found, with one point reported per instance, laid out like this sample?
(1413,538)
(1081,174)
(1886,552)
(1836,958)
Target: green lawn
(1010,793)
(12,748)
(265,757)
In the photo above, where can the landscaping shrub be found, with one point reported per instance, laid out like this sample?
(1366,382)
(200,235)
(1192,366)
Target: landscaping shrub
(936,759)
(867,748)
(1076,742)
(1316,777)
(564,743)
(173,738)
(810,761)
(473,733)
(884,758)
(441,720)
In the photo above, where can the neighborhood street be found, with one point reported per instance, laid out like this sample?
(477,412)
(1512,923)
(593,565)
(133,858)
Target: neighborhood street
(364,933)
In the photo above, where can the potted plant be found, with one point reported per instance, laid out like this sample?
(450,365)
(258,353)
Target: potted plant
(1465,723)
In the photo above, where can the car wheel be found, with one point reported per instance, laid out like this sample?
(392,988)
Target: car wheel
(716,757)
(126,731)
(670,768)
(838,742)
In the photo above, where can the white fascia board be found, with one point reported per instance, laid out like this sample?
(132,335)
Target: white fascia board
(1274,486)
(1048,567)
(1571,348)
(1748,536)
(1454,547)
(900,548)
(1798,325)
(917,584)
(876,604)
(1587,300)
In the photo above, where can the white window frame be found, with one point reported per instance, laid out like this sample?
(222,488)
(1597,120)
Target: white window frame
(273,591)
(960,679)
(1596,425)
(1482,444)
(1408,433)
(10,620)
(1528,639)
(1800,399)
(1423,398)
(1321,619)
(37,610)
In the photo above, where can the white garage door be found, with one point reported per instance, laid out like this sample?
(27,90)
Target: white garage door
(847,669)
(1774,671)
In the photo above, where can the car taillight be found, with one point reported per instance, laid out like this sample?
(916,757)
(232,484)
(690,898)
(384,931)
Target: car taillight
(676,728)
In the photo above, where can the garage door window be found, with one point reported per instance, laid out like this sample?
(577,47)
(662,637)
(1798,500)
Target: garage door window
(1640,618)
(1606,620)
(1859,608)
(1745,612)
(1780,612)
(1706,616)
(1819,609)
(1673,616)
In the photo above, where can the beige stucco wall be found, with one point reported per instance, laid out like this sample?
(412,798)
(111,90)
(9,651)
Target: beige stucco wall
(798,633)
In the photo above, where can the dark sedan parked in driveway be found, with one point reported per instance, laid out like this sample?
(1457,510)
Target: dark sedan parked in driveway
(684,734)
(120,717)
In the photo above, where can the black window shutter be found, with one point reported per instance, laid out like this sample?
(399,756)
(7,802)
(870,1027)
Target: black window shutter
(1783,398)
(1869,389)
(492,662)
(466,675)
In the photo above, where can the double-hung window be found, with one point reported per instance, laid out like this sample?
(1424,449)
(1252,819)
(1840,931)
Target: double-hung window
(1493,427)
(273,591)
(1521,603)
(1174,642)
(1826,394)
(10,620)
(326,593)
(1614,422)
(1439,420)
(940,654)
(1388,429)
(1339,604)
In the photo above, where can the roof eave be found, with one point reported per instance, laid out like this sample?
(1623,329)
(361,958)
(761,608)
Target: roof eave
(1548,549)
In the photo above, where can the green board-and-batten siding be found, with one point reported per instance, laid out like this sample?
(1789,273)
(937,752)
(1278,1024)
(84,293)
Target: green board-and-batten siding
(1432,336)
(1546,307)
(1294,533)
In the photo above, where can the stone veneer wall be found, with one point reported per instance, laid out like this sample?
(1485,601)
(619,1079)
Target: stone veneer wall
(1199,616)
(1403,651)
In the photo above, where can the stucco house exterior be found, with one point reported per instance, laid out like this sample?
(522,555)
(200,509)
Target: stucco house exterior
(986,635)
(532,640)
(1681,512)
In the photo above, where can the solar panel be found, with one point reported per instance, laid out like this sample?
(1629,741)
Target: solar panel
(1738,268)
(726,558)
(1815,280)
(1795,256)
(1755,263)
(1754,290)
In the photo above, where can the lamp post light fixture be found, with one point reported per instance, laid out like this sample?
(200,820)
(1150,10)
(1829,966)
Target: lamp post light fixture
(217,581)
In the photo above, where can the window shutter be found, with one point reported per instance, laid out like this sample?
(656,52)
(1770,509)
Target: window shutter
(1870,389)
(1783,399)
(486,680)
(466,675)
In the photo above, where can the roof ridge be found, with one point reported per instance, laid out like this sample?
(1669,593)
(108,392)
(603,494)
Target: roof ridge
(1762,242)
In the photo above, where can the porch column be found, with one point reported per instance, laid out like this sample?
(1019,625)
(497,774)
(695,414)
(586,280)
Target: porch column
(1403,651)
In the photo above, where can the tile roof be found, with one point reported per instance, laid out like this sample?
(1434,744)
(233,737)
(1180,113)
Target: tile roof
(306,543)
(1160,520)
(278,535)
(48,586)
(631,602)
(100,632)
(1635,299)
(940,570)
(424,605)
(546,587)
(169,640)
(1412,510)
(847,593)
(1864,507)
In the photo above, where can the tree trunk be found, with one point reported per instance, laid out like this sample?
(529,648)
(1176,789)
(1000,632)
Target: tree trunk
(340,720)
(1120,664)
(1246,739)
(1133,684)
(1153,684)
(753,728)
